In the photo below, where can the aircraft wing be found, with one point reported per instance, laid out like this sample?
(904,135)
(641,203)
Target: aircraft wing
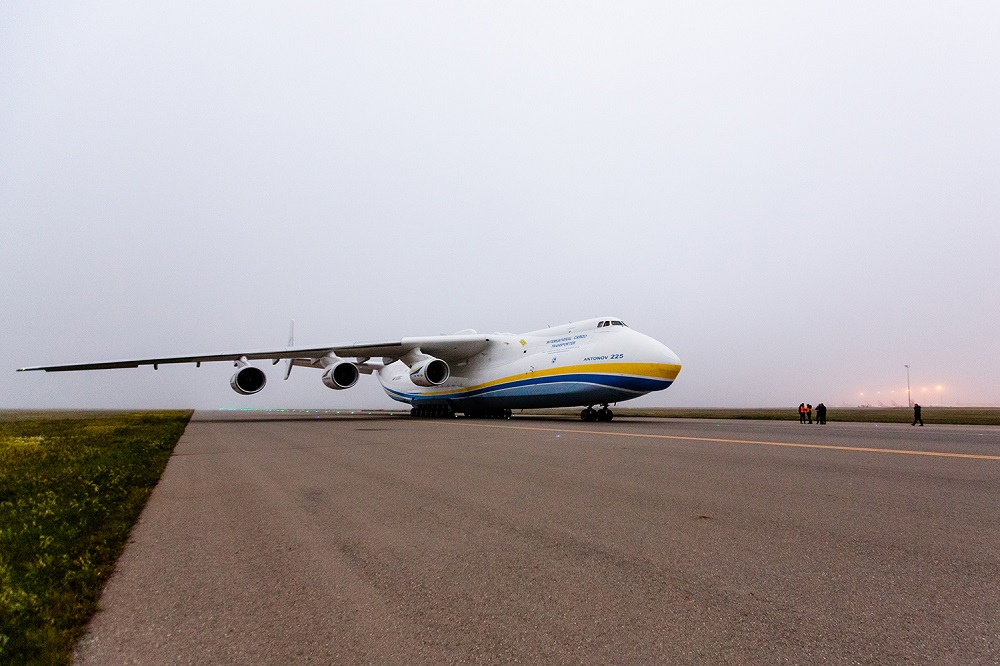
(445,347)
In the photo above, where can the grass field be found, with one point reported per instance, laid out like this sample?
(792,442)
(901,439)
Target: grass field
(71,487)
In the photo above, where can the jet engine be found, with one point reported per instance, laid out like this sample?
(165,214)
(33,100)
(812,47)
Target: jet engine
(340,375)
(248,380)
(430,372)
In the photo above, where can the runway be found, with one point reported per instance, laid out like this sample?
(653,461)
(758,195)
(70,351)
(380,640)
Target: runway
(383,539)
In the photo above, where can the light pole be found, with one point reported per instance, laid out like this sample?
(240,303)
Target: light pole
(908,401)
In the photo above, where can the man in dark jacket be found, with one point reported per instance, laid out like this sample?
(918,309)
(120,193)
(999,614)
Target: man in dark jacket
(916,415)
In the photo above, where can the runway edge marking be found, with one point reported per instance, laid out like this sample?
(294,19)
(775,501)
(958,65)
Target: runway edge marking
(863,449)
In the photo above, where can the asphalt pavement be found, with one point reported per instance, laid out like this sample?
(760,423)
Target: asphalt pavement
(317,538)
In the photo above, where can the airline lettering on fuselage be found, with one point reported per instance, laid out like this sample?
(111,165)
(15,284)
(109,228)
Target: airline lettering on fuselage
(570,341)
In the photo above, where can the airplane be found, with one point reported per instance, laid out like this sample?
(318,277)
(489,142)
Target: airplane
(596,361)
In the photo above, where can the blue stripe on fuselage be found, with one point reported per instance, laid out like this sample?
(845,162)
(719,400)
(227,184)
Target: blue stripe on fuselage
(618,387)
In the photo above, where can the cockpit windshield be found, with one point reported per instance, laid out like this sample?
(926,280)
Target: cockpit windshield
(610,322)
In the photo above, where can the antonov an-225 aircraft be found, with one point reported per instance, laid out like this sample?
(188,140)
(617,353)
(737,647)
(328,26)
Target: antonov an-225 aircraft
(593,362)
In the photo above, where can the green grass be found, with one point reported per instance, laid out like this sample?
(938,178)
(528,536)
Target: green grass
(71,487)
(931,415)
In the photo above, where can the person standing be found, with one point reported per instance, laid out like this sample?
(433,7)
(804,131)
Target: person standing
(821,414)
(809,413)
(802,412)
(917,415)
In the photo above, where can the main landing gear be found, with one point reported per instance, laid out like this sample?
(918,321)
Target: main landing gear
(447,412)
(433,412)
(490,414)
(602,414)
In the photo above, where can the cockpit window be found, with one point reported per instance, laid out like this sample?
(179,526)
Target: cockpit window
(617,323)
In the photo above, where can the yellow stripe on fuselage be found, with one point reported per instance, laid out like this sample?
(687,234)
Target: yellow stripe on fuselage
(651,370)
(665,371)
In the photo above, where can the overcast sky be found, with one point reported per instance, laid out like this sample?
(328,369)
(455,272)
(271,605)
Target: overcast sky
(797,198)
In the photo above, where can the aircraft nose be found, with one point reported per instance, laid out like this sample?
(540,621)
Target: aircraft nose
(667,356)
(660,353)
(660,359)
(663,362)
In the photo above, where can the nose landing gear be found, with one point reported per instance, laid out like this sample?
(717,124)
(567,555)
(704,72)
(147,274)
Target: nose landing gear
(602,414)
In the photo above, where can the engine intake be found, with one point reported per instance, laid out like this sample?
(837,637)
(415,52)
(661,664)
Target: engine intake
(248,380)
(341,376)
(431,372)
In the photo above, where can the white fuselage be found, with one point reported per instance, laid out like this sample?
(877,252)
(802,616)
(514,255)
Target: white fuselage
(597,361)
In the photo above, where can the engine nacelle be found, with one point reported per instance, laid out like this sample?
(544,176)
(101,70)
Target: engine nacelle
(248,380)
(341,375)
(430,372)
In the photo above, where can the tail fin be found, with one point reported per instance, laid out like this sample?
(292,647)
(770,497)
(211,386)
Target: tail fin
(291,343)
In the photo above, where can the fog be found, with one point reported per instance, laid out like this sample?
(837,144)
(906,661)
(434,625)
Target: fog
(798,199)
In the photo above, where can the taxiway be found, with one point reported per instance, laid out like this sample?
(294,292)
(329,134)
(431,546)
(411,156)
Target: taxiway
(385,539)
